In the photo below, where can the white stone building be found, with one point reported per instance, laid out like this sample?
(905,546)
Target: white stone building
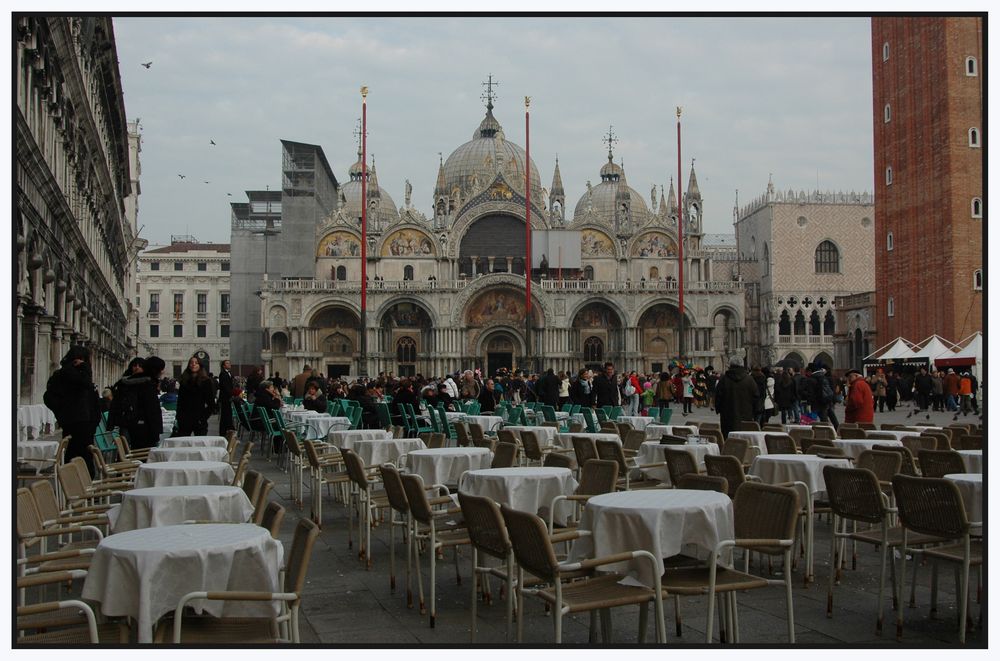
(184,302)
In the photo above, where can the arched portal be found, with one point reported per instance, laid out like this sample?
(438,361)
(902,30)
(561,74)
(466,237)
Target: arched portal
(407,321)
(335,332)
(499,350)
(658,335)
(598,333)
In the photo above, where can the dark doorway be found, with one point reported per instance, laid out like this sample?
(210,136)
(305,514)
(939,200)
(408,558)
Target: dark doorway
(337,371)
(497,359)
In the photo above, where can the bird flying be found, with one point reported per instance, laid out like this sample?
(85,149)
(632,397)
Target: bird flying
(181,176)
(147,64)
(208,182)
(211,142)
(229,194)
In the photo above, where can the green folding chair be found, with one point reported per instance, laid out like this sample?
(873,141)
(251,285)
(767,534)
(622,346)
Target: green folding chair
(355,416)
(653,412)
(588,418)
(566,408)
(665,414)
(384,415)
(616,412)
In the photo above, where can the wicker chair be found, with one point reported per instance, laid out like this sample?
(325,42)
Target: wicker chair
(706,426)
(575,426)
(462,436)
(365,499)
(633,441)
(52,515)
(33,534)
(800,435)
(938,463)
(597,476)
(730,468)
(715,435)
(274,514)
(916,444)
(747,425)
(970,442)
(507,436)
(682,432)
(891,426)
(866,425)
(609,427)
(322,460)
(780,444)
(883,464)
(703,483)
(252,482)
(765,518)
(673,439)
(585,449)
(739,448)
(907,464)
(623,429)
(399,517)
(852,432)
(810,442)
(934,507)
(827,451)
(534,553)
(398,431)
(476,432)
(679,463)
(773,426)
(880,435)
(266,486)
(824,430)
(284,628)
(505,456)
(532,447)
(558,460)
(943,439)
(68,622)
(296,464)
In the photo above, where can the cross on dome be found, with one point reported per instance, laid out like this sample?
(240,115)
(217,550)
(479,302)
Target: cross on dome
(611,139)
(489,95)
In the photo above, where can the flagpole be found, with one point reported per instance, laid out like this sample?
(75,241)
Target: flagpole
(680,242)
(529,359)
(363,366)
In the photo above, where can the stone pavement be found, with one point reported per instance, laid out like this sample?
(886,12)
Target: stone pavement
(345,604)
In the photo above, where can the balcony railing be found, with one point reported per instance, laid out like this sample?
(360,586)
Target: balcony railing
(309,284)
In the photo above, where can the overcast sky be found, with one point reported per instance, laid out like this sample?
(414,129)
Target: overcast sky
(788,96)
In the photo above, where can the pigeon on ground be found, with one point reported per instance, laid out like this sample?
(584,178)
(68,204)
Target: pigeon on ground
(147,64)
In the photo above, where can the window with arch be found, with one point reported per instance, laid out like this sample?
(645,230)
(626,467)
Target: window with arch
(971,66)
(887,113)
(407,272)
(977,279)
(767,259)
(593,350)
(814,324)
(341,273)
(784,323)
(891,307)
(977,207)
(588,272)
(654,273)
(974,137)
(800,323)
(406,350)
(889,241)
(885,52)
(888,176)
(829,324)
(827,258)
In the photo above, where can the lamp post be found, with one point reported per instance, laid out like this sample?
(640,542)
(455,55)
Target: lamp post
(530,359)
(363,366)
(680,243)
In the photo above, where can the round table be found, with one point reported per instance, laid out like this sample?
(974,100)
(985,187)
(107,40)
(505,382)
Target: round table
(299,416)
(345,439)
(161,454)
(320,426)
(487,422)
(651,452)
(143,573)
(182,473)
(524,489)
(661,521)
(454,416)
(639,422)
(446,465)
(655,432)
(32,419)
(546,435)
(375,451)
(565,440)
(40,454)
(973,460)
(195,442)
(806,468)
(853,447)
(168,506)
(970,485)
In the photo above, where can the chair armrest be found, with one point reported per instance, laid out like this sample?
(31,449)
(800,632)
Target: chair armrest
(630,453)
(750,543)
(566,536)
(593,563)
(225,596)
(50,577)
(656,465)
(50,532)
(55,555)
(98,518)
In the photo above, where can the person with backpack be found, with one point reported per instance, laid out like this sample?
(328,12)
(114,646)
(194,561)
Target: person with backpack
(72,396)
(823,396)
(135,408)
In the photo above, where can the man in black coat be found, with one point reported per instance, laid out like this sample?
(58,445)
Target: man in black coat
(136,406)
(735,396)
(225,398)
(547,388)
(605,387)
(72,397)
(923,384)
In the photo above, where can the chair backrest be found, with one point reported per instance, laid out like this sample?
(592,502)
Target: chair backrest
(589,420)
(867,425)
(416,497)
(291,442)
(45,499)
(665,415)
(462,435)
(736,447)
(241,470)
(917,443)
(703,483)
(425,436)
(931,506)
(69,480)
(773,426)
(907,465)
(436,440)
(530,542)
(891,425)
(261,503)
(274,514)
(611,451)
(800,436)
(938,463)
(551,423)
(880,435)
(824,431)
(765,511)
(602,413)
(303,540)
(726,466)
(597,476)
(575,426)
(852,432)
(747,425)
(28,519)
(98,460)
(883,464)
(504,456)
(355,469)
(702,426)
(548,412)
(854,493)
(970,442)
(634,439)
(585,449)
(780,444)
(623,429)
(532,448)
(679,462)
(715,435)
(557,460)
(82,471)
(829,451)
(398,431)
(476,431)
(251,485)
(943,439)
(506,436)
(609,426)
(394,491)
(485,525)
(653,412)
(615,412)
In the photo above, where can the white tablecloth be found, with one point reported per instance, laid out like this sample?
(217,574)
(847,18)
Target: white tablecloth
(973,460)
(40,454)
(651,452)
(446,465)
(31,418)
(756,439)
(896,433)
(807,468)
(637,421)
(143,573)
(661,521)
(546,435)
(454,416)
(655,432)
(525,489)
(194,442)
(320,426)
(299,416)
(183,473)
(855,446)
(157,455)
(346,438)
(169,506)
(384,450)
(487,422)
(970,485)
(565,440)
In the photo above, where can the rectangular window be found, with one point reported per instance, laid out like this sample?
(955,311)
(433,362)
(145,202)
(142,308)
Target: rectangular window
(154,330)
(178,266)
(225,266)
(178,330)
(224,303)
(202,330)
(224,330)
(154,266)
(177,371)
(154,302)
(202,266)
(178,304)
(202,303)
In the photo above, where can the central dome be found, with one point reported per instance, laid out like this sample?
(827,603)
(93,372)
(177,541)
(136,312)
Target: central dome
(387,213)
(474,165)
(602,198)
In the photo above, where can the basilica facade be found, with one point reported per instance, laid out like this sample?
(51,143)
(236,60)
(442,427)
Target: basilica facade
(447,291)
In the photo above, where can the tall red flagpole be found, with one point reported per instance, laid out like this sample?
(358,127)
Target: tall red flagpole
(680,241)
(527,236)
(363,367)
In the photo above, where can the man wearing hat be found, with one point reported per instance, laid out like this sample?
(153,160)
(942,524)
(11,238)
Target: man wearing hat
(860,406)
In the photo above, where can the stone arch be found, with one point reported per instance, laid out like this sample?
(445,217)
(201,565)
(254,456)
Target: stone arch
(386,307)
(497,306)
(339,242)
(279,343)
(795,355)
(311,313)
(595,242)
(825,358)
(614,305)
(277,316)
(541,307)
(493,235)
(689,317)
(729,309)
(408,241)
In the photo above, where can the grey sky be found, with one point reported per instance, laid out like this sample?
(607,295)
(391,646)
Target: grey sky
(788,96)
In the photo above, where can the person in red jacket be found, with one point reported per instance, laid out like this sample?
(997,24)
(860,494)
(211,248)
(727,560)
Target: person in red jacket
(860,405)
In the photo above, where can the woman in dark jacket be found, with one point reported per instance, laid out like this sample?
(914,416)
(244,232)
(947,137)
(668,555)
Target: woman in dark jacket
(136,408)
(786,395)
(195,400)
(72,397)
(314,400)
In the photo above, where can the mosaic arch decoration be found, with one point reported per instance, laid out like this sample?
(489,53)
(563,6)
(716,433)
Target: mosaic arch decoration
(408,243)
(596,315)
(496,306)
(596,244)
(654,244)
(339,244)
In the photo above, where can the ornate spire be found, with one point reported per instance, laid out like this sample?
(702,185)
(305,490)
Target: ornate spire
(373,181)
(692,190)
(557,184)
(672,199)
(440,188)
(663,200)
(489,127)
(611,139)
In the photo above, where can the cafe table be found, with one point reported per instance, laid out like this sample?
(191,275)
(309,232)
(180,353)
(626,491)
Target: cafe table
(345,439)
(166,506)
(142,574)
(970,485)
(376,451)
(565,439)
(161,454)
(973,460)
(655,432)
(195,442)
(524,489)
(181,473)
(446,465)
(855,446)
(651,452)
